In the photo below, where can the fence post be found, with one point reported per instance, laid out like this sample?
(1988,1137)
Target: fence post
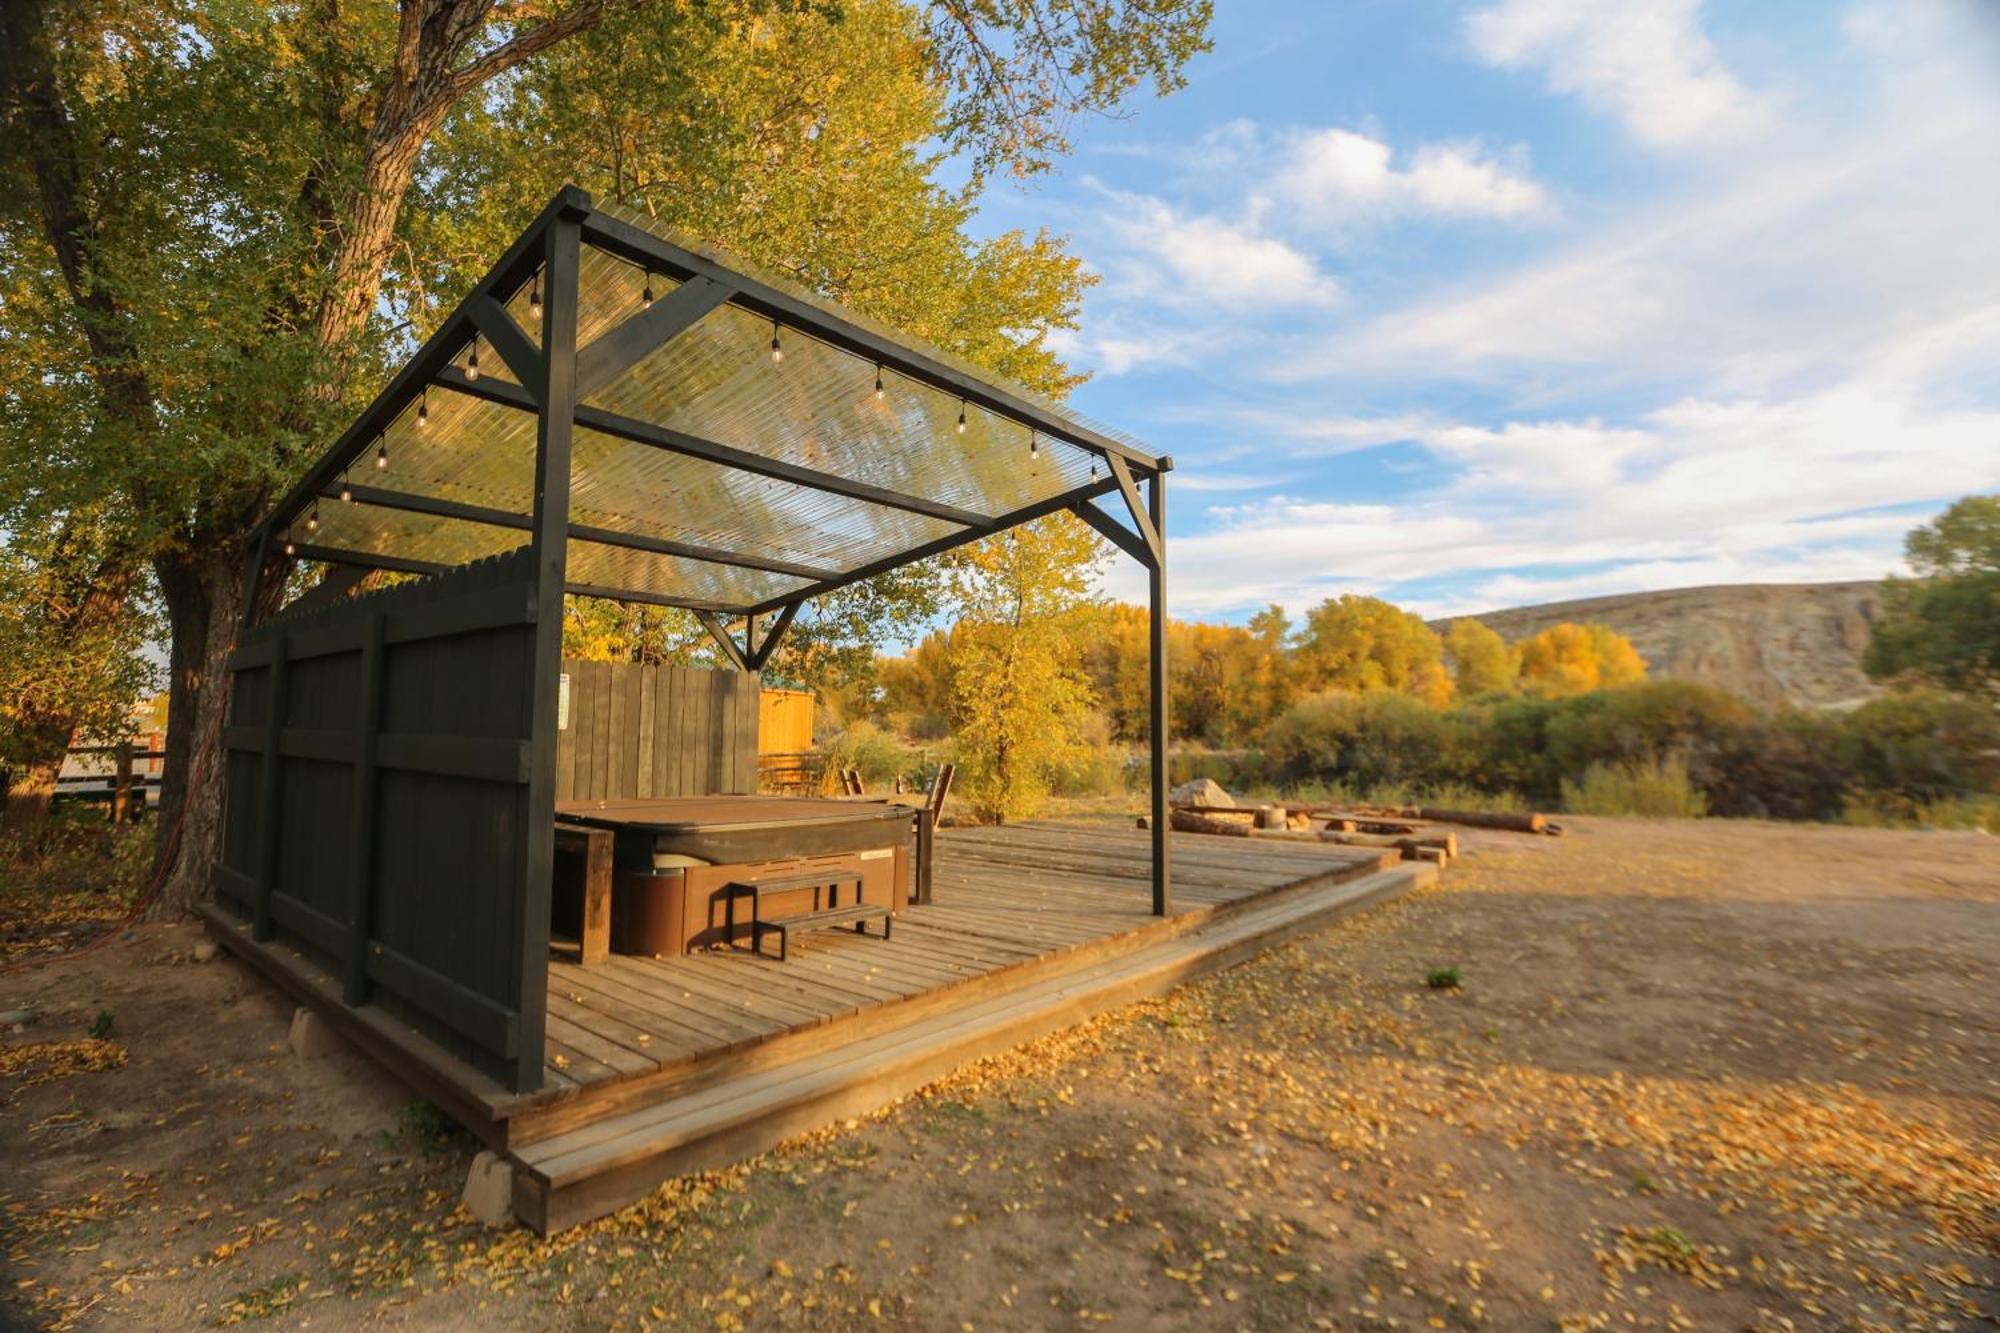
(267,791)
(361,839)
(121,786)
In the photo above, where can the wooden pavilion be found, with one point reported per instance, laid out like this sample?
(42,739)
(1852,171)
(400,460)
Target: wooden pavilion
(614,413)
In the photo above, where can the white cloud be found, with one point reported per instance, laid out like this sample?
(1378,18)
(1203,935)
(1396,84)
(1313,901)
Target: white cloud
(1703,491)
(1647,61)
(1339,172)
(1203,259)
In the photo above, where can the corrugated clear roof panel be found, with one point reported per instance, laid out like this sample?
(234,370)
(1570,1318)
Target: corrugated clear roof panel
(377,530)
(795,290)
(617,483)
(817,407)
(609,291)
(672,576)
(468,450)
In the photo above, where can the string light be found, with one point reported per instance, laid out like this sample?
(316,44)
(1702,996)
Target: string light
(777,350)
(346,490)
(961,416)
(472,361)
(879,393)
(1034,444)
(646,296)
(424,409)
(1093,467)
(535,294)
(290,547)
(382,454)
(312,520)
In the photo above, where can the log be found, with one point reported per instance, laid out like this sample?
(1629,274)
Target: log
(1186,821)
(1444,842)
(1383,826)
(1509,823)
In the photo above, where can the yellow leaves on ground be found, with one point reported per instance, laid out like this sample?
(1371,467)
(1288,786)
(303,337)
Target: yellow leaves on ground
(45,1061)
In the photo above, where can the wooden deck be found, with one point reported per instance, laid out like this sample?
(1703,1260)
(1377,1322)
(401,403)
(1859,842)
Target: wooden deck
(1004,898)
(656,1067)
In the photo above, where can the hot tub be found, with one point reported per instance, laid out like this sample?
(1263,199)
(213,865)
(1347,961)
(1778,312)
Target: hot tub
(673,856)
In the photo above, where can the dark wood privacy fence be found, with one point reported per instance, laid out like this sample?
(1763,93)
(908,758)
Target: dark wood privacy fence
(378,759)
(635,731)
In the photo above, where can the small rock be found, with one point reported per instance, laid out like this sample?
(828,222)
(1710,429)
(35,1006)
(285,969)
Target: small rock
(205,951)
(489,1189)
(1200,791)
(312,1038)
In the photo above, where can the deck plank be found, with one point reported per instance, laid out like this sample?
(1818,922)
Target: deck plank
(1007,898)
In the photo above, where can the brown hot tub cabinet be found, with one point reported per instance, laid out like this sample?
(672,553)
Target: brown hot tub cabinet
(674,859)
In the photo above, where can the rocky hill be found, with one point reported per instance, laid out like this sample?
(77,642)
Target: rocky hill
(1798,643)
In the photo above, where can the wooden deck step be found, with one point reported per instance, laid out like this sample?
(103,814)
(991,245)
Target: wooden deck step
(573,1177)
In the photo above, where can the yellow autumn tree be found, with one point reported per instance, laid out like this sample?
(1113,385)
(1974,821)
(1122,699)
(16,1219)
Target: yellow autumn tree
(1481,661)
(1362,645)
(1568,659)
(1020,699)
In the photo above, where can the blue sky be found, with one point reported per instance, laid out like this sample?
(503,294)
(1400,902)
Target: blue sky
(1470,305)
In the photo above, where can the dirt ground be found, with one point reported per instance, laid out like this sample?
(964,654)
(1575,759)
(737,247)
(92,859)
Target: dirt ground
(1698,1075)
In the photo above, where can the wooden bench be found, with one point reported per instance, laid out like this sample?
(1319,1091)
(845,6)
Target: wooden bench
(857,914)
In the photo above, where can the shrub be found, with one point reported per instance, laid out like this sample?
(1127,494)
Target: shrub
(1444,978)
(1658,789)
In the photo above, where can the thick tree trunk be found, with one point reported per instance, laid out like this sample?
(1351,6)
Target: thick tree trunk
(29,788)
(204,601)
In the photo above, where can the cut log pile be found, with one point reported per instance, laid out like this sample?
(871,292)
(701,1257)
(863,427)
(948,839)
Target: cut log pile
(1202,806)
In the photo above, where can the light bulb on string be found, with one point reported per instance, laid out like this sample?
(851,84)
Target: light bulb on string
(381,455)
(472,361)
(1034,444)
(346,490)
(424,410)
(312,520)
(961,416)
(535,293)
(291,548)
(777,348)
(880,392)
(646,296)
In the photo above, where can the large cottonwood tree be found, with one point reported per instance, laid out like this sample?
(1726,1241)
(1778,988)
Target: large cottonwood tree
(220,219)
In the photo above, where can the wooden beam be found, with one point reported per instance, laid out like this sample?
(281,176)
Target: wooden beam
(720,633)
(762,652)
(561,259)
(1156,634)
(986,528)
(501,518)
(507,338)
(1117,533)
(679,442)
(1148,532)
(613,353)
(507,274)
